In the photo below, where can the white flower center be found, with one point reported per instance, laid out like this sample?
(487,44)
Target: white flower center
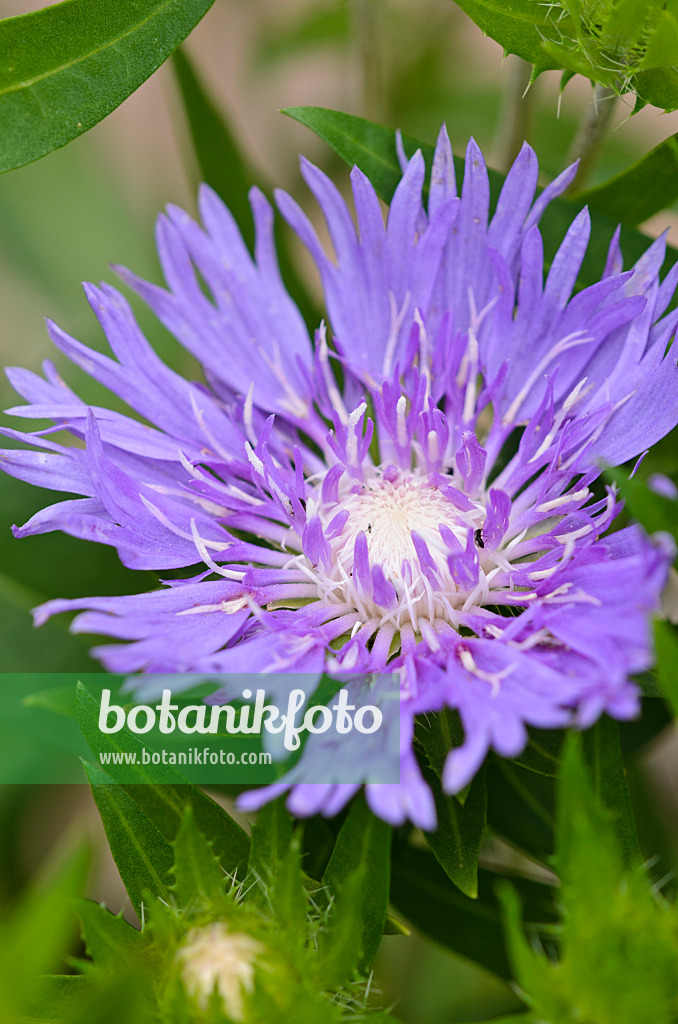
(411,529)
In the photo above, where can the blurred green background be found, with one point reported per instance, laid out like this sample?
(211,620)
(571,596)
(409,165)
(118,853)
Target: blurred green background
(408,63)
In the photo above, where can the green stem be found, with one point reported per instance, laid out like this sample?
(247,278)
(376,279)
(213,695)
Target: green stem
(368,33)
(591,134)
(515,112)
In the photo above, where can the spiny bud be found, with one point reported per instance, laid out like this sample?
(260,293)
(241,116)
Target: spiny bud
(214,957)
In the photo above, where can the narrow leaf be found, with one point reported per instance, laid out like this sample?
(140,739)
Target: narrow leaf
(603,754)
(162,792)
(66,67)
(358,874)
(667,662)
(456,841)
(143,856)
(288,897)
(198,877)
(220,160)
(271,838)
(422,892)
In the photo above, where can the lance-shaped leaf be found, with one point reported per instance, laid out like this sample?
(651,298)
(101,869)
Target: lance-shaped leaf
(198,877)
(143,856)
(357,879)
(271,839)
(666,642)
(66,67)
(161,792)
(456,841)
(603,754)
(423,893)
(642,190)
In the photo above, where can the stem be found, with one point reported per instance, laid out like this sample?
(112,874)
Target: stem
(368,43)
(515,112)
(591,134)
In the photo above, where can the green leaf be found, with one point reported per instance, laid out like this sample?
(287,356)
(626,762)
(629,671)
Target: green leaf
(521,807)
(666,642)
(271,839)
(642,190)
(357,878)
(373,148)
(653,511)
(288,896)
(107,937)
(422,892)
(357,141)
(220,160)
(60,700)
(542,753)
(54,997)
(456,842)
(518,27)
(198,877)
(35,935)
(437,734)
(223,166)
(604,757)
(161,792)
(143,856)
(623,44)
(66,67)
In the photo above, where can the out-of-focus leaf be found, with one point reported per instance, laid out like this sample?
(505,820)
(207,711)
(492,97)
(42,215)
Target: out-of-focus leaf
(143,856)
(54,997)
(271,838)
(357,878)
(542,753)
(642,190)
(161,792)
(518,1018)
(456,841)
(520,807)
(223,166)
(619,937)
(35,936)
(603,754)
(328,23)
(108,937)
(220,159)
(288,897)
(373,148)
(60,700)
(422,892)
(66,67)
(198,877)
(666,642)
(653,511)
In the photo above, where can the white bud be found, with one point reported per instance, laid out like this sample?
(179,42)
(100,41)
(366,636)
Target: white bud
(214,957)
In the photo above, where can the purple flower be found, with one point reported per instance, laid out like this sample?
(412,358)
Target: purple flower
(411,489)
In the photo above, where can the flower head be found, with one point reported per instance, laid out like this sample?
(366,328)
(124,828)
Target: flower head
(411,489)
(212,958)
